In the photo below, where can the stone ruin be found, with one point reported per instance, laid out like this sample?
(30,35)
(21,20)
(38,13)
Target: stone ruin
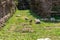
(7,8)
(44,8)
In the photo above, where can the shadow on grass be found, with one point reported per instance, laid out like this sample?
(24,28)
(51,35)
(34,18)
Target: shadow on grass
(34,14)
(38,17)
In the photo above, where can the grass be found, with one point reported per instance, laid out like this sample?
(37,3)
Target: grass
(12,30)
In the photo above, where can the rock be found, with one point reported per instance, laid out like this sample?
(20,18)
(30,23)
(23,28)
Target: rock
(30,22)
(26,18)
(52,19)
(37,21)
(44,39)
(27,29)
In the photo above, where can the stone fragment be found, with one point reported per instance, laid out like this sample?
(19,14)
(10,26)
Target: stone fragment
(26,18)
(37,21)
(52,19)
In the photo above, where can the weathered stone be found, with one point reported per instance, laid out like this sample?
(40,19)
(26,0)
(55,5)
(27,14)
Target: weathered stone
(26,18)
(52,19)
(37,21)
(6,10)
(30,22)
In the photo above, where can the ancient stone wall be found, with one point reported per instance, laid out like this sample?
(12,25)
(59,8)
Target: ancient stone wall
(7,8)
(43,7)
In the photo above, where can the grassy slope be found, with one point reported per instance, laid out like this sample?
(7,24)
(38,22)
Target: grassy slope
(41,30)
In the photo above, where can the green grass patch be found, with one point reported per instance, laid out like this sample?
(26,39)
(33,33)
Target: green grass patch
(14,25)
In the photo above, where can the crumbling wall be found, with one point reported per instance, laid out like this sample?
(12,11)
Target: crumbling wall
(43,7)
(56,5)
(7,8)
(23,4)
